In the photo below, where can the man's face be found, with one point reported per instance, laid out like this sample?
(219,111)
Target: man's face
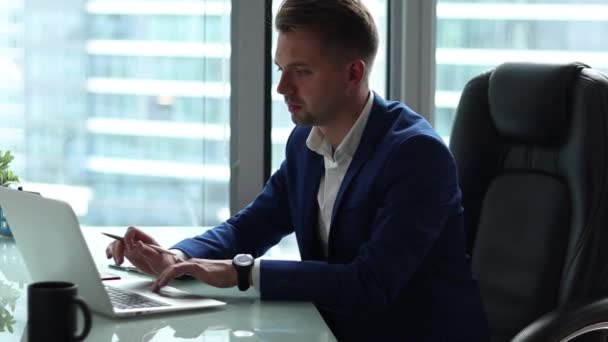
(315,85)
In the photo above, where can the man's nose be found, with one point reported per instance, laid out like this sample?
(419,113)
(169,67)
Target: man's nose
(284,87)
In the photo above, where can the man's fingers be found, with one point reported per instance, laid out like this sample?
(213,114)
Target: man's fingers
(109,251)
(118,252)
(139,260)
(130,237)
(175,271)
(148,252)
(155,261)
(148,266)
(133,235)
(171,273)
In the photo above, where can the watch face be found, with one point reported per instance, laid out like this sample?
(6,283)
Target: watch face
(243,259)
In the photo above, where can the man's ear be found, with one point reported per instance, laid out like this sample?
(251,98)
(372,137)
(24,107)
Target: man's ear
(356,71)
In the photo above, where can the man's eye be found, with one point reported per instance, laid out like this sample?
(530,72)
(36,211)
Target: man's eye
(302,72)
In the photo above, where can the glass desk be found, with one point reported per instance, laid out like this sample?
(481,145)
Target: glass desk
(245,318)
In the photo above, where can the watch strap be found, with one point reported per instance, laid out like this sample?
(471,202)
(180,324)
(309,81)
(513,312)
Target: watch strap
(243,275)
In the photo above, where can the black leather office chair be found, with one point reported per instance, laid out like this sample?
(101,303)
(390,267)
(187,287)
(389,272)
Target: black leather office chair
(531,144)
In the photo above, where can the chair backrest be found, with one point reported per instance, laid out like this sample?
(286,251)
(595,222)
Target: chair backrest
(531,144)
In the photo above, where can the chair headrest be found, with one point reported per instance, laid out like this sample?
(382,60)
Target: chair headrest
(531,102)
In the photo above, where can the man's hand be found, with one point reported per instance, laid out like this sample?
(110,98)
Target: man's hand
(141,256)
(218,273)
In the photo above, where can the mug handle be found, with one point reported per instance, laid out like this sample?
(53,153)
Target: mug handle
(87,319)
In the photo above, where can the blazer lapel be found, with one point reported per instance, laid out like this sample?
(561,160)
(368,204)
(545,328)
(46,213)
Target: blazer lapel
(360,157)
(374,130)
(311,249)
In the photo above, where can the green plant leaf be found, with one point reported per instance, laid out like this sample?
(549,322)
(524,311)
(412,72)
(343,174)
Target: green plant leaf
(5,159)
(6,175)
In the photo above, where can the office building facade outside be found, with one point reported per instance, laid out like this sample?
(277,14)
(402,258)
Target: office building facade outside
(12,121)
(158,95)
(123,105)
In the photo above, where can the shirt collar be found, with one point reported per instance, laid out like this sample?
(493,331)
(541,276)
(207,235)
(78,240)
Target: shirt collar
(317,142)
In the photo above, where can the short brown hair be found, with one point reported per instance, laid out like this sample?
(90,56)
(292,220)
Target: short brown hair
(346,24)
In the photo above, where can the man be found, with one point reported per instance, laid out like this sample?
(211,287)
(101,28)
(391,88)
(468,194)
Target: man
(368,187)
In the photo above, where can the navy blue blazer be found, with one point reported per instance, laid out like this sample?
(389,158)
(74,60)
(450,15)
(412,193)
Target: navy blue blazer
(396,269)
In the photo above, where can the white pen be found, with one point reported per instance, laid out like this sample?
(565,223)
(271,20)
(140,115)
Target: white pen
(154,247)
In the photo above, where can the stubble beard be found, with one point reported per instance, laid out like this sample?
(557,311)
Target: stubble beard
(304,119)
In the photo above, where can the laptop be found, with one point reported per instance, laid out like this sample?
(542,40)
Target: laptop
(53,247)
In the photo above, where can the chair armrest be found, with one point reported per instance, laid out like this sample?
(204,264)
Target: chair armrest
(568,322)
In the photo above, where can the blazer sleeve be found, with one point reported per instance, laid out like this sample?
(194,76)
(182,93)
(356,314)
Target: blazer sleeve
(419,193)
(253,230)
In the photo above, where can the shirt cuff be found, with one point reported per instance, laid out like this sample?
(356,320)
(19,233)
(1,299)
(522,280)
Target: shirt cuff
(180,254)
(255,275)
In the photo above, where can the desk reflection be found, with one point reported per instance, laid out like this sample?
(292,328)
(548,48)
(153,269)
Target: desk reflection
(13,279)
(213,326)
(12,268)
(218,325)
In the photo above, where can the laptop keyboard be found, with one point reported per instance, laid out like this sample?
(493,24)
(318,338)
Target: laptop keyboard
(123,299)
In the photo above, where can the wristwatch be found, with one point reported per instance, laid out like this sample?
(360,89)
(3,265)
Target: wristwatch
(243,264)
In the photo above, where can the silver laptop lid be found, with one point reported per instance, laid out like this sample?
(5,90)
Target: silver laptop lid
(52,245)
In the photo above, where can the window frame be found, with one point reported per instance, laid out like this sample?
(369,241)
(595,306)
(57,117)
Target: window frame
(249,100)
(411,54)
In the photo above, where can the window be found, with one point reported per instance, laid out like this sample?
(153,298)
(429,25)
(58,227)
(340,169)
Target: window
(475,36)
(121,109)
(281,119)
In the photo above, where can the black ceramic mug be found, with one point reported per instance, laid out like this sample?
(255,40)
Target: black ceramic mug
(51,312)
